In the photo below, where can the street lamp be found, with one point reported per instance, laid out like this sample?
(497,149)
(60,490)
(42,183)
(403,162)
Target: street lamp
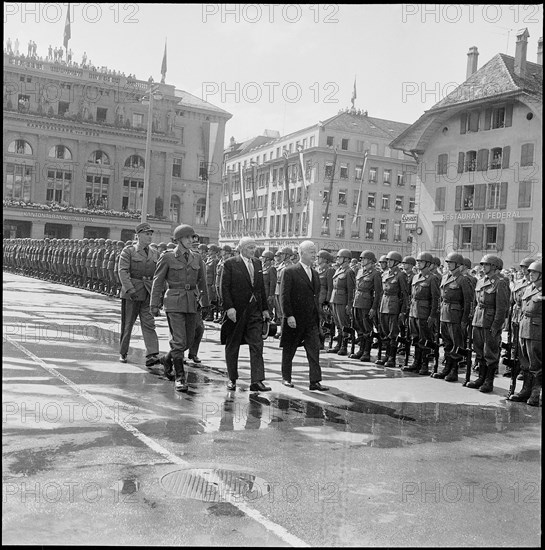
(151,95)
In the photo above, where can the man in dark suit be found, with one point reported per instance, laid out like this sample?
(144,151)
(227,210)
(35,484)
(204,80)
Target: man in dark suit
(299,296)
(245,303)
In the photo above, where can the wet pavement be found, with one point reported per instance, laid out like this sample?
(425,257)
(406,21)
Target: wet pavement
(99,452)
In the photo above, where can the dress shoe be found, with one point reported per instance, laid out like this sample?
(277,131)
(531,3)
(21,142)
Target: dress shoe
(180,385)
(259,386)
(195,359)
(152,360)
(123,358)
(231,385)
(317,386)
(287,383)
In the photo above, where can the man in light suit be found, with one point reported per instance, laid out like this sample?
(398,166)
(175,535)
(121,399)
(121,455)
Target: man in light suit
(299,296)
(245,303)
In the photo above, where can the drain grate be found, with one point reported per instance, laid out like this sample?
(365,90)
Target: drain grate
(215,485)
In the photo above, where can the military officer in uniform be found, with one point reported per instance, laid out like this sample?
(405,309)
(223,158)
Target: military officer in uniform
(342,298)
(466,271)
(383,264)
(136,268)
(325,273)
(184,272)
(530,336)
(367,295)
(393,305)
(211,262)
(491,306)
(269,278)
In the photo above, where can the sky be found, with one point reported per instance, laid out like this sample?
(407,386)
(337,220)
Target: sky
(286,66)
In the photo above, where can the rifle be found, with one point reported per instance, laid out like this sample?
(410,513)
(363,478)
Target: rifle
(353,333)
(467,354)
(436,350)
(428,349)
(515,369)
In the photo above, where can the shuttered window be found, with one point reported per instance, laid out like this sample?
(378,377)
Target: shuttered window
(527,154)
(440,194)
(525,194)
(442,162)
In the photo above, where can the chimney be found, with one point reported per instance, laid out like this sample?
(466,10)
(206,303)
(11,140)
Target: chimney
(520,52)
(540,51)
(472,58)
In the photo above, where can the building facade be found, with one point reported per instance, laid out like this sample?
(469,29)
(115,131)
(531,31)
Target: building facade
(479,178)
(314,184)
(75,154)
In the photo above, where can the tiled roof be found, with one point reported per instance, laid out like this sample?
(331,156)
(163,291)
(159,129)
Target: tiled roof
(365,125)
(190,100)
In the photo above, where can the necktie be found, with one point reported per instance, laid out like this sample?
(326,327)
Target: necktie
(146,249)
(186,256)
(309,272)
(251,270)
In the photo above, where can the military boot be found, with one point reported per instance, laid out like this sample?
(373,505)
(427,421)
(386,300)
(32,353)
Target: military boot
(344,344)
(526,391)
(424,369)
(488,385)
(452,376)
(480,380)
(449,363)
(383,348)
(536,391)
(337,347)
(367,342)
(168,366)
(417,363)
(391,360)
(359,353)
(179,382)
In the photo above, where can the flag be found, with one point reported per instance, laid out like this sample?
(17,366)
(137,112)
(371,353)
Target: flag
(304,176)
(253,171)
(354,95)
(164,65)
(67,33)
(326,214)
(210,129)
(356,213)
(287,183)
(243,196)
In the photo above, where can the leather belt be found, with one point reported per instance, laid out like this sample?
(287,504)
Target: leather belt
(143,278)
(185,287)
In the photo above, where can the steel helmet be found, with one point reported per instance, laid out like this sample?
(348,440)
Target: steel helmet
(368,255)
(526,262)
(101,241)
(287,250)
(393,255)
(171,246)
(492,260)
(344,253)
(202,247)
(383,259)
(535,266)
(213,248)
(467,263)
(324,254)
(409,260)
(268,255)
(108,242)
(182,231)
(425,257)
(226,248)
(437,261)
(458,259)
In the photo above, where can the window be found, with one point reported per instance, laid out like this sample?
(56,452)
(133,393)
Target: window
(490,237)
(203,172)
(344,170)
(399,204)
(439,237)
(442,163)
(311,141)
(329,170)
(308,170)
(440,193)
(397,232)
(284,223)
(59,183)
(359,172)
(290,148)
(466,237)
(18,181)
(356,195)
(373,174)
(278,152)
(498,117)
(133,191)
(387,151)
(325,226)
(20,147)
(522,233)
(99,157)
(495,158)
(340,226)
(63,108)
(23,103)
(344,144)
(329,141)
(273,201)
(473,121)
(468,197)
(385,202)
(355,229)
(527,154)
(360,146)
(383,234)
(493,196)
(175,209)
(137,120)
(275,175)
(177,168)
(371,200)
(400,180)
(369,231)
(271,225)
(387,176)
(298,195)
(101,114)
(200,212)
(525,194)
(96,191)
(60,152)
(135,161)
(374,149)
(412,205)
(342,196)
(304,143)
(471,161)
(325,197)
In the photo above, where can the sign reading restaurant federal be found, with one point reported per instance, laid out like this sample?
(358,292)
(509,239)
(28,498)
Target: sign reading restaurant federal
(493,214)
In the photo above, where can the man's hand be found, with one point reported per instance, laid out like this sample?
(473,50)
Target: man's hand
(464,327)
(494,332)
(291,322)
(401,318)
(232,314)
(348,310)
(372,313)
(132,295)
(155,311)
(266,315)
(431,323)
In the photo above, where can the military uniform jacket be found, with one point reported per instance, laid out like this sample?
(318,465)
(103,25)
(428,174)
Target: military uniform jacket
(136,269)
(395,292)
(516,299)
(456,298)
(368,288)
(424,295)
(344,286)
(186,282)
(326,284)
(269,280)
(491,302)
(531,316)
(279,272)
(210,268)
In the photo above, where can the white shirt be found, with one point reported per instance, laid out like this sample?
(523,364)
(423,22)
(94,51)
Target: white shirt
(249,267)
(308,271)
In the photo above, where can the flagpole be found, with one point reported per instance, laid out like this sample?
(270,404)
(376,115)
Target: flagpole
(361,186)
(326,214)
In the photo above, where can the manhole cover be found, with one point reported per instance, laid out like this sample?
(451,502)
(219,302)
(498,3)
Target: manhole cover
(214,485)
